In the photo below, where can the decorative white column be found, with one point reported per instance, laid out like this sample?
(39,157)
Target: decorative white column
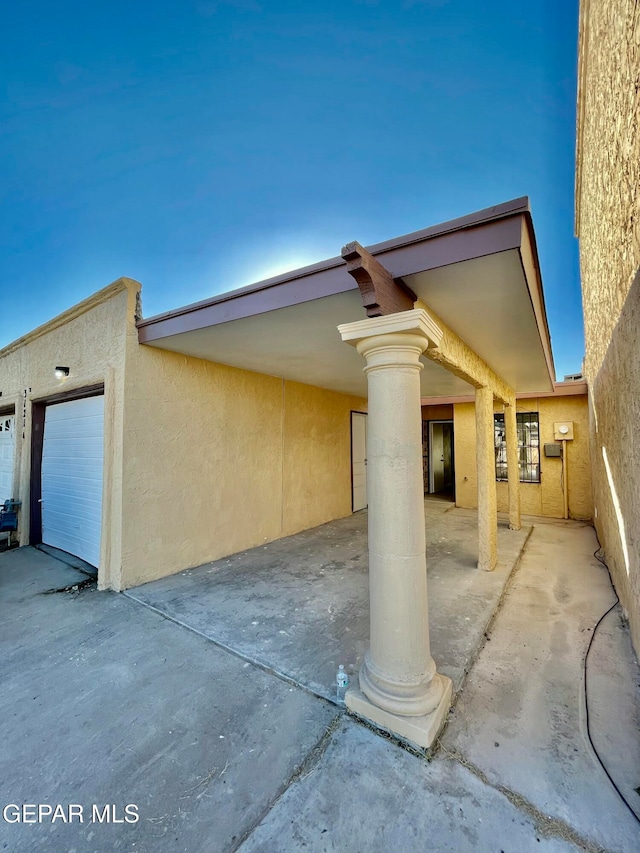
(513,468)
(400,689)
(486,468)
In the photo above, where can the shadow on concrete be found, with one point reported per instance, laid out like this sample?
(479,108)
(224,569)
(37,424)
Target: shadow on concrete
(300,605)
(104,701)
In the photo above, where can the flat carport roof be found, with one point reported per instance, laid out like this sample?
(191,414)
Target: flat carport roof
(480,274)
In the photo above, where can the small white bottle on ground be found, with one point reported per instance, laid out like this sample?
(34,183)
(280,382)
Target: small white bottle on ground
(342,679)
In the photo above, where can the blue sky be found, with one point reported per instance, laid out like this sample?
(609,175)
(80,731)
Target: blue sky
(200,146)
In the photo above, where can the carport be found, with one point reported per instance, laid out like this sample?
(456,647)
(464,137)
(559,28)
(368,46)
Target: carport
(299,606)
(434,313)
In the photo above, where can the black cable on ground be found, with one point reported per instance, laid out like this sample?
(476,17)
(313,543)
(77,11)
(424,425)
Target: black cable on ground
(586,695)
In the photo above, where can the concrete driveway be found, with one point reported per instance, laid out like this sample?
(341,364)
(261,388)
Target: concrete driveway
(107,701)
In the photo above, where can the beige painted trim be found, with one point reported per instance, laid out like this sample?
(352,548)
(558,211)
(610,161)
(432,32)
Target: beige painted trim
(452,353)
(531,270)
(416,320)
(76,311)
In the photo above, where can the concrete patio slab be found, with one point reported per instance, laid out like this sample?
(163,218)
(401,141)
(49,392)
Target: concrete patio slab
(103,702)
(300,605)
(365,794)
(521,720)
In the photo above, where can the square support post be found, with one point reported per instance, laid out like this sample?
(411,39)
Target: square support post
(486,467)
(513,467)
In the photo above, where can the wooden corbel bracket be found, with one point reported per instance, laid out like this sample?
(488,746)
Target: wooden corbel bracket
(381,293)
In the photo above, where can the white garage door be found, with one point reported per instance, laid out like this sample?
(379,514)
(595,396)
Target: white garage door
(72,456)
(7,443)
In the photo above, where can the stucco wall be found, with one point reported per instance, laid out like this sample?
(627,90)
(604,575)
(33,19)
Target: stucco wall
(544,498)
(316,456)
(90,340)
(201,460)
(218,460)
(608,226)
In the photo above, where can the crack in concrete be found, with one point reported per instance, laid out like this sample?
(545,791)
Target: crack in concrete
(72,587)
(547,826)
(427,754)
(301,772)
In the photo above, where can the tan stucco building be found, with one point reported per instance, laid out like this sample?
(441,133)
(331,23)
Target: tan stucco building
(608,228)
(147,446)
(541,478)
(200,460)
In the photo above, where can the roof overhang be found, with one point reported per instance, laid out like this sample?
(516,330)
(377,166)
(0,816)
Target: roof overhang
(480,274)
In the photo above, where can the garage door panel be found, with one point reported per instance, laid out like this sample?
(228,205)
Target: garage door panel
(71,485)
(72,461)
(7,444)
(58,518)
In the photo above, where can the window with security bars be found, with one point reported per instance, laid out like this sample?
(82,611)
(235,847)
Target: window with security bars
(528,447)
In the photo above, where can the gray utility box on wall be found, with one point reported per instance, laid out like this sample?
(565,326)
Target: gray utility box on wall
(553,450)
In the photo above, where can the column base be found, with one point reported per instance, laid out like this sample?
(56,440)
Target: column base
(487,566)
(420,731)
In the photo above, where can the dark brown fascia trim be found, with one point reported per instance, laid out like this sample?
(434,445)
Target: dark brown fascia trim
(476,235)
(237,305)
(489,214)
(479,217)
(561,389)
(73,394)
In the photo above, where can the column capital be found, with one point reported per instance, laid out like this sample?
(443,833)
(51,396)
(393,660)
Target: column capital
(416,323)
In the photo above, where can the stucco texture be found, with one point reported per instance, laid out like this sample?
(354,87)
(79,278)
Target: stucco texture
(316,455)
(90,340)
(217,460)
(544,498)
(608,227)
(201,460)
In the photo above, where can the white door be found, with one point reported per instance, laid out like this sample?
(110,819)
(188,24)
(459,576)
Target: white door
(7,443)
(359,460)
(72,457)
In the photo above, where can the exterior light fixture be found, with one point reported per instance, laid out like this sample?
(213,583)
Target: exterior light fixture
(61,372)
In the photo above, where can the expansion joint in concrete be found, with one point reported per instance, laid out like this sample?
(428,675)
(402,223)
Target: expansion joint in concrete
(547,826)
(427,753)
(246,658)
(490,622)
(301,772)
